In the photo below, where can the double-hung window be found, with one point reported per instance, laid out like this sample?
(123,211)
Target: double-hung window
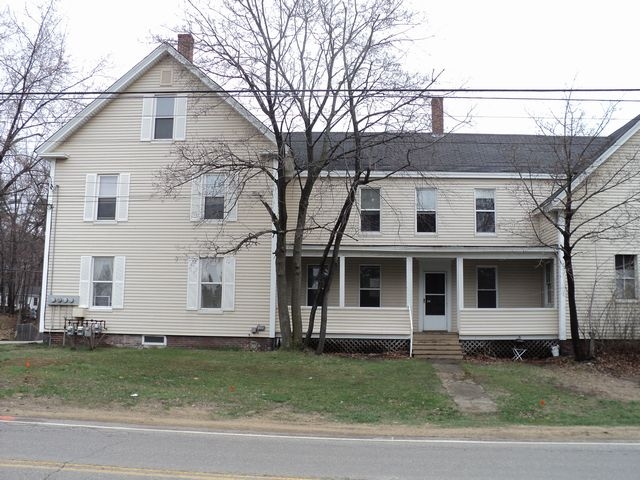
(164,117)
(426,207)
(485,203)
(313,275)
(370,210)
(626,277)
(102,281)
(211,283)
(214,188)
(369,285)
(487,282)
(214,197)
(106,197)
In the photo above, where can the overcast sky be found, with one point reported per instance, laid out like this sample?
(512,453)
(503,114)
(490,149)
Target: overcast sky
(478,44)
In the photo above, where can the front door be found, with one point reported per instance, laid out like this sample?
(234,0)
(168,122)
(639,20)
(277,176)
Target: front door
(435,301)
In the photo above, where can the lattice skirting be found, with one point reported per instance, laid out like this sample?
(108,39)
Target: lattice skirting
(504,348)
(364,345)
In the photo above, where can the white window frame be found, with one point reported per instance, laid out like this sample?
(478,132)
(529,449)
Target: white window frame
(476,210)
(149,109)
(309,288)
(548,287)
(229,192)
(434,211)
(147,343)
(92,192)
(495,269)
(221,186)
(218,260)
(379,210)
(360,287)
(86,288)
(626,277)
(194,292)
(99,196)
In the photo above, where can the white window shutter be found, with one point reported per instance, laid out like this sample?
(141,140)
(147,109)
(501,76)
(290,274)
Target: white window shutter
(197,201)
(117,295)
(180,119)
(90,189)
(146,130)
(85,282)
(228,283)
(193,283)
(231,198)
(122,213)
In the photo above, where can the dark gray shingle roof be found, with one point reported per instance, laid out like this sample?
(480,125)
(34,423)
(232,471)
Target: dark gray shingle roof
(457,152)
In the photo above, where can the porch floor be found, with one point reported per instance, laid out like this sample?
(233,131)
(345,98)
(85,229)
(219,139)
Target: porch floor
(437,345)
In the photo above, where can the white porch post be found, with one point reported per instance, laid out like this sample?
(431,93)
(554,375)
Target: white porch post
(342,281)
(560,290)
(460,288)
(409,281)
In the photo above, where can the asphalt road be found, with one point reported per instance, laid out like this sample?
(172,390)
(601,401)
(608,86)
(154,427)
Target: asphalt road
(55,451)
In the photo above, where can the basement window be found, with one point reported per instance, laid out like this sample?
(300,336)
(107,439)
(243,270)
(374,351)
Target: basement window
(154,341)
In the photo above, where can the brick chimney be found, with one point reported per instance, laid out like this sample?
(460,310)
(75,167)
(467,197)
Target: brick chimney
(185,45)
(437,116)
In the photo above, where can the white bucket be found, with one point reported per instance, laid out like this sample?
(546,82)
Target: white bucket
(555,350)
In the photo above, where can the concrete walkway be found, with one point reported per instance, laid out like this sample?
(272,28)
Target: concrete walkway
(468,395)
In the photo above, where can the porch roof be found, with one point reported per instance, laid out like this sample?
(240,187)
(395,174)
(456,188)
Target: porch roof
(449,251)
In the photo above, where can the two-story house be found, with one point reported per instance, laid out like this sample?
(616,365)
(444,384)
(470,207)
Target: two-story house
(447,245)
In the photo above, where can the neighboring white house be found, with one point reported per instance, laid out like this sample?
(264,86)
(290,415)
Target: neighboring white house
(447,245)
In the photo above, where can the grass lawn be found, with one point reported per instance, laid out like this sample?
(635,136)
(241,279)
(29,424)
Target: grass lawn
(238,384)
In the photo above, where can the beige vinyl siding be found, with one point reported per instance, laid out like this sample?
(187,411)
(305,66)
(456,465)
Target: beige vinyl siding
(392,281)
(455,214)
(158,236)
(363,322)
(510,322)
(599,313)
(520,283)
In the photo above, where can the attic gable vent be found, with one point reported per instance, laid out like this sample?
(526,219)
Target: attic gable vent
(166,77)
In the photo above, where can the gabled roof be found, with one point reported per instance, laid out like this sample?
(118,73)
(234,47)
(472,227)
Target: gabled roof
(48,148)
(455,152)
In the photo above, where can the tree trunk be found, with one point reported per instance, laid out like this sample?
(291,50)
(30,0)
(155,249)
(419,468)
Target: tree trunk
(281,289)
(579,352)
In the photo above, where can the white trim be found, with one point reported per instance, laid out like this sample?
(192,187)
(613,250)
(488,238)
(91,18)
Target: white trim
(495,268)
(430,174)
(341,299)
(459,287)
(509,337)
(468,252)
(599,161)
(379,210)
(409,281)
(47,244)
(435,265)
(127,79)
(273,283)
(415,215)
(475,212)
(145,343)
(560,290)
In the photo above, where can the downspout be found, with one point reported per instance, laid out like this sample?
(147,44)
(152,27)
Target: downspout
(48,253)
(272,279)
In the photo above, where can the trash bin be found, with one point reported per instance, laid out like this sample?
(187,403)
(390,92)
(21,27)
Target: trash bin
(555,350)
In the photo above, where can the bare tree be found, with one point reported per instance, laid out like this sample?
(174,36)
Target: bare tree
(39,90)
(584,203)
(318,68)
